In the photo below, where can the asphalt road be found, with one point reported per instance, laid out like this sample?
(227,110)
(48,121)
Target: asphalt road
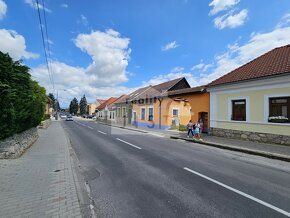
(133,174)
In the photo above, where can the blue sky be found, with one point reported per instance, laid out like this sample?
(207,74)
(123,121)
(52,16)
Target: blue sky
(106,48)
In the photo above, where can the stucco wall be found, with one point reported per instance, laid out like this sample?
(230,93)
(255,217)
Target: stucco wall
(257,112)
(197,103)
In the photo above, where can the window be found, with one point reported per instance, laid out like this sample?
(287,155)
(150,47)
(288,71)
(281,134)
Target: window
(118,112)
(142,113)
(150,114)
(239,110)
(124,111)
(279,110)
(175,112)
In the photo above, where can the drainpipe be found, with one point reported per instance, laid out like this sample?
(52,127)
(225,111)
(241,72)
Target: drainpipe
(160,101)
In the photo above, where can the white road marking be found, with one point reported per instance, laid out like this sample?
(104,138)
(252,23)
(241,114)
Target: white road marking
(240,192)
(128,143)
(90,127)
(102,132)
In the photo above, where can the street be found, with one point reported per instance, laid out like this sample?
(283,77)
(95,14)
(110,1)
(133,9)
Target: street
(132,174)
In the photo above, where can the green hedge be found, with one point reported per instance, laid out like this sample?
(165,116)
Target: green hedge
(22,100)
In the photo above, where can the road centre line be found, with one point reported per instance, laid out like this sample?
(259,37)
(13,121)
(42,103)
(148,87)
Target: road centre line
(102,132)
(128,143)
(90,127)
(240,192)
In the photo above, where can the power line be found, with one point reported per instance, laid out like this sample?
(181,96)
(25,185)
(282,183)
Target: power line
(43,43)
(47,39)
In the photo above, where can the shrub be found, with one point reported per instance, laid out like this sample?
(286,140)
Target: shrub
(22,100)
(182,127)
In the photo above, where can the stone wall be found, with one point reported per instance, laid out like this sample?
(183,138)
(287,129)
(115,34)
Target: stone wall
(251,136)
(15,146)
(45,124)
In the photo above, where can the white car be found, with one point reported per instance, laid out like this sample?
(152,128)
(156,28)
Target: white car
(69,118)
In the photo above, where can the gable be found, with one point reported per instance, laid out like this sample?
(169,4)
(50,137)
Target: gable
(182,84)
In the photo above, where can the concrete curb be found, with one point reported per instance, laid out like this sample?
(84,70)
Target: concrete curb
(122,127)
(240,149)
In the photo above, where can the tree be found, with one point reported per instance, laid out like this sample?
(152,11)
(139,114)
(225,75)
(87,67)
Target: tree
(83,105)
(74,106)
(22,100)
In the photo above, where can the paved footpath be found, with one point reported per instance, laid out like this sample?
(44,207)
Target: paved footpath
(41,183)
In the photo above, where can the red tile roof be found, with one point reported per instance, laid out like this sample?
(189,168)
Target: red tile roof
(121,99)
(101,101)
(107,102)
(272,63)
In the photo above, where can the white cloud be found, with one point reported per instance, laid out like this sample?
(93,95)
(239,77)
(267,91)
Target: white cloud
(3,9)
(201,67)
(33,5)
(170,45)
(14,44)
(221,5)
(83,20)
(235,56)
(285,21)
(110,55)
(231,20)
(73,82)
(64,5)
(101,79)
(177,69)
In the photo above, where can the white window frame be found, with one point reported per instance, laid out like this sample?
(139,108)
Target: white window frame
(151,107)
(177,112)
(266,103)
(230,108)
(141,113)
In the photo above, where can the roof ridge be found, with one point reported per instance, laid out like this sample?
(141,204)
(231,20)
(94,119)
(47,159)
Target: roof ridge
(246,64)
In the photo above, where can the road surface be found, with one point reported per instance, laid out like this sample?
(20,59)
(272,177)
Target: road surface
(133,174)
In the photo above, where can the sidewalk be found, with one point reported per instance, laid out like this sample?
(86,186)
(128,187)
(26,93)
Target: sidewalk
(273,151)
(41,183)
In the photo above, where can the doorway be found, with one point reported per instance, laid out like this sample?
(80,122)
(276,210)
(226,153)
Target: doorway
(204,117)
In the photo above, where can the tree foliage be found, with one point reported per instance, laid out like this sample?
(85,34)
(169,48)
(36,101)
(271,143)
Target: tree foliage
(74,106)
(22,100)
(55,105)
(83,105)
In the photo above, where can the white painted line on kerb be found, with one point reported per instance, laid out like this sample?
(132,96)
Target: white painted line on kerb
(240,192)
(90,127)
(102,132)
(128,143)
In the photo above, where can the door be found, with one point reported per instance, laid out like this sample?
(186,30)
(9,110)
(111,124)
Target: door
(204,117)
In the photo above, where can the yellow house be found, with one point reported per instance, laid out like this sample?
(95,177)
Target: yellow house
(152,108)
(253,101)
(196,101)
(48,106)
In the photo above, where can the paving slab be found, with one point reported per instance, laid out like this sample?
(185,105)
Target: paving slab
(41,182)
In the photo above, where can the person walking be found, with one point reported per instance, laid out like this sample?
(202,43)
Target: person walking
(190,129)
(197,131)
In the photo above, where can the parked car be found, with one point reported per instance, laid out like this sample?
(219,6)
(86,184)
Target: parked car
(63,116)
(69,118)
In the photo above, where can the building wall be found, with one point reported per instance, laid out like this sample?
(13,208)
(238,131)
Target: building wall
(167,117)
(199,103)
(91,108)
(257,94)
